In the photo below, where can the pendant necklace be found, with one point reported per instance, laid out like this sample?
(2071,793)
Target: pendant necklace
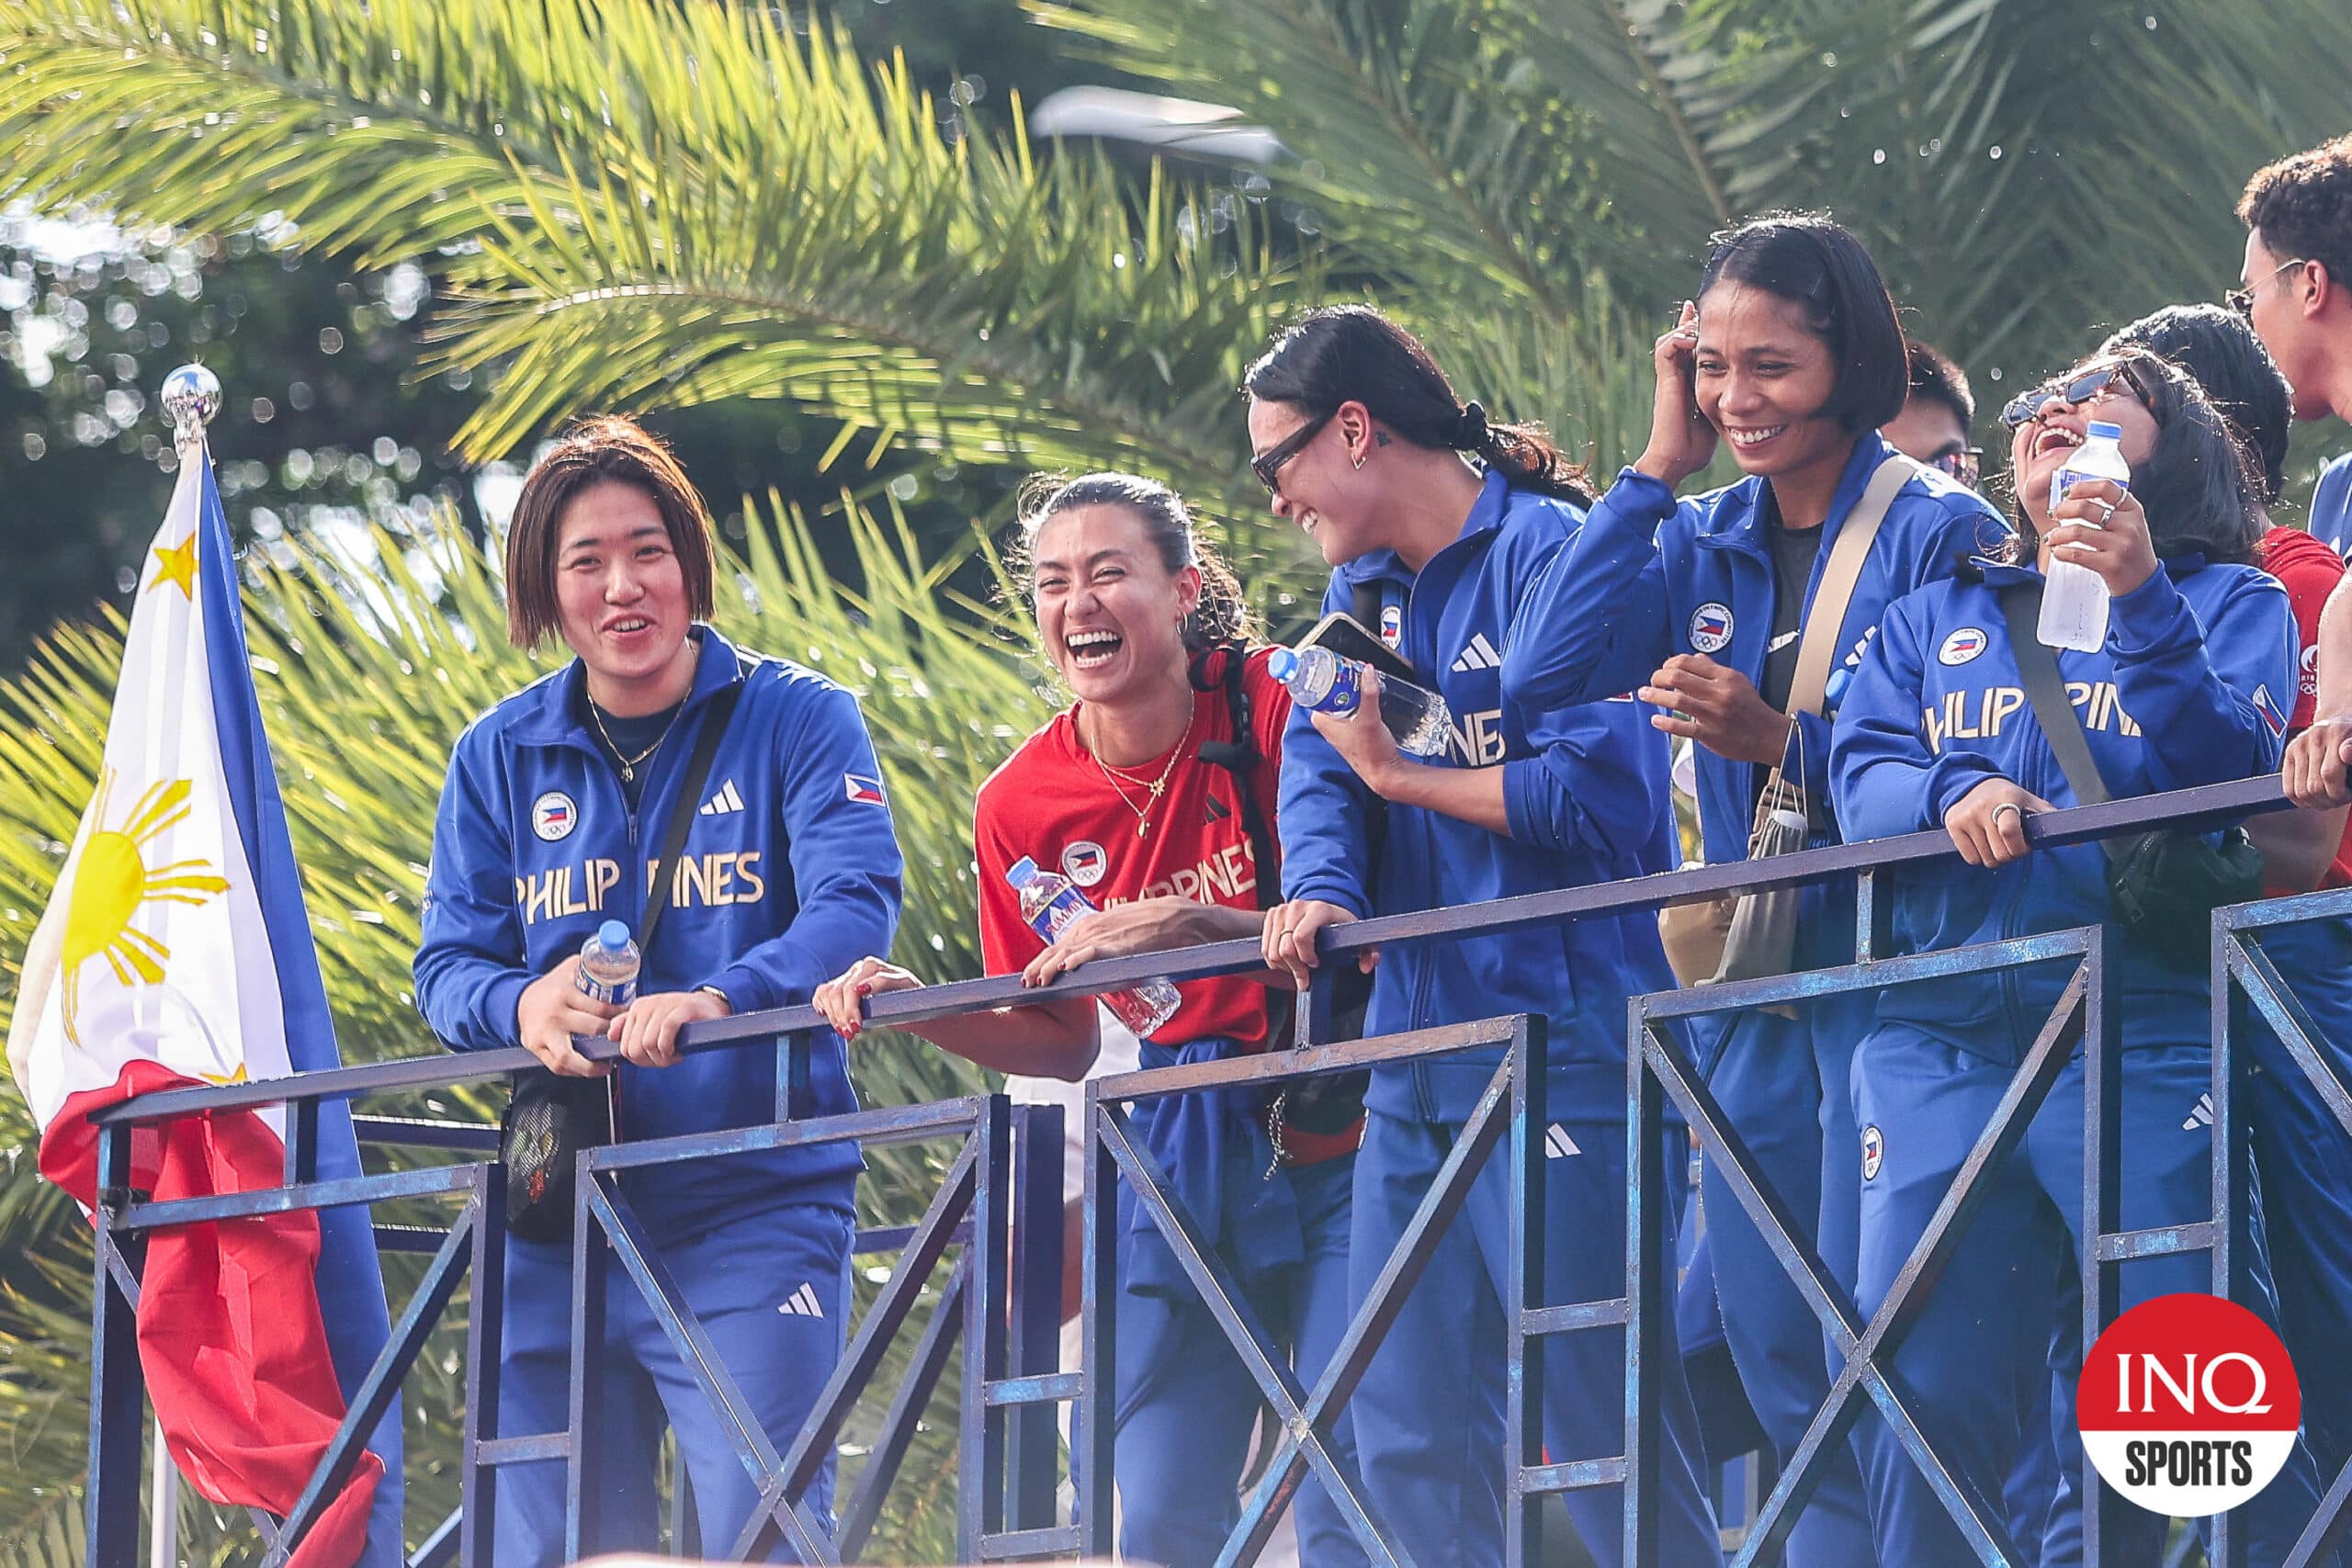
(1153,788)
(630,764)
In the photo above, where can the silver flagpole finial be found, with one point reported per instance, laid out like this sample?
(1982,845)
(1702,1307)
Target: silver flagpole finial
(191,396)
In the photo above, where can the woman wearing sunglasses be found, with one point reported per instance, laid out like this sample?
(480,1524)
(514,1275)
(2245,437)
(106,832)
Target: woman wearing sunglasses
(1939,730)
(1792,358)
(1436,519)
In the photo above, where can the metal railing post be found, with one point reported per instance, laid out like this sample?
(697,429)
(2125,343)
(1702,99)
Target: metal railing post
(118,1386)
(1034,1442)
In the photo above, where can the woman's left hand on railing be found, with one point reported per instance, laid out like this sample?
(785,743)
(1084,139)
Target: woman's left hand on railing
(840,998)
(1987,825)
(1146,925)
(2317,771)
(648,1032)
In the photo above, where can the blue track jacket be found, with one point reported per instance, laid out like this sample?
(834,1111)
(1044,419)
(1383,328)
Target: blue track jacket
(791,872)
(1587,792)
(2193,687)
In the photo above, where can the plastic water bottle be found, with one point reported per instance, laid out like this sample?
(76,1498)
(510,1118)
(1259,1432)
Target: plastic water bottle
(1050,901)
(1321,680)
(2073,599)
(608,964)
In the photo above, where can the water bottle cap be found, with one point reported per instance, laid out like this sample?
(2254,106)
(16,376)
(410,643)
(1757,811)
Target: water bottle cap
(613,934)
(2102,431)
(1282,664)
(1021,871)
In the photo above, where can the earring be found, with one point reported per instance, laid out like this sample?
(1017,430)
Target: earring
(1358,460)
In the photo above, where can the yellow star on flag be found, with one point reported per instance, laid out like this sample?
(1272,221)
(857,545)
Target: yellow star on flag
(224,1080)
(176,564)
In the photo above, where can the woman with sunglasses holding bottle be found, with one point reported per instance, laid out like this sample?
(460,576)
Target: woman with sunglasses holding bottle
(1792,358)
(1436,521)
(2192,685)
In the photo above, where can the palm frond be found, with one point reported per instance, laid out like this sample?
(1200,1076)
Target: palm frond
(646,204)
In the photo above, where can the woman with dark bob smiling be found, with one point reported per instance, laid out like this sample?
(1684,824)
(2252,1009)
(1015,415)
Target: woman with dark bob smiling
(1791,358)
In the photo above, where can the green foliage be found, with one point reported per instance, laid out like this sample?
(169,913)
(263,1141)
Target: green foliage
(368,663)
(656,206)
(667,205)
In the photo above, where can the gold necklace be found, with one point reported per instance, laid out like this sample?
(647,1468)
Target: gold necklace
(630,764)
(1153,788)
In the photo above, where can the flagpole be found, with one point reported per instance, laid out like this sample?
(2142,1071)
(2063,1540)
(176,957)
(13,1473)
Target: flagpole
(191,396)
(164,1506)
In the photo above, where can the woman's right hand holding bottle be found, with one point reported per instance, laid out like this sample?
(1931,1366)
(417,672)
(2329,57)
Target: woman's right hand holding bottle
(1681,441)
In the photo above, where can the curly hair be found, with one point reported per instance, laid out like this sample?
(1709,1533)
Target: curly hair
(1222,615)
(2301,206)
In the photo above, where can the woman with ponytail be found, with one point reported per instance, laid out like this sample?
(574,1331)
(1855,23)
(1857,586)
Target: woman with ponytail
(1791,356)
(1155,793)
(1437,520)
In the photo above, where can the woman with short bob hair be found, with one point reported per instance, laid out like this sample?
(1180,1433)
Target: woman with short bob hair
(1790,357)
(1941,729)
(558,813)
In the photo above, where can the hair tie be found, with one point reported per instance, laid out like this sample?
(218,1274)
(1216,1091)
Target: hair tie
(1470,432)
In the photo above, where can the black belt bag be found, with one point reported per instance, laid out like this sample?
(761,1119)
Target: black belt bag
(550,1118)
(2163,886)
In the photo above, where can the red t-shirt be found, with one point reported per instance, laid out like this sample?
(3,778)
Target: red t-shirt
(1053,802)
(2310,570)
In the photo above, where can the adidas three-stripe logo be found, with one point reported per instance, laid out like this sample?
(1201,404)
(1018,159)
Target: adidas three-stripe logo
(1478,655)
(803,1302)
(2201,1114)
(1557,1144)
(725,801)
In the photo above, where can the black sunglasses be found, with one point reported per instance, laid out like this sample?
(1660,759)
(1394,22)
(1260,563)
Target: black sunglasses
(1268,464)
(2079,390)
(1962,463)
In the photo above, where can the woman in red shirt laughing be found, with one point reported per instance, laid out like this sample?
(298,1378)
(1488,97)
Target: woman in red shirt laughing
(1154,793)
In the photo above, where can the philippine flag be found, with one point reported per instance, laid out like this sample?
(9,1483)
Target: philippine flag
(2267,706)
(1711,625)
(863,790)
(176,951)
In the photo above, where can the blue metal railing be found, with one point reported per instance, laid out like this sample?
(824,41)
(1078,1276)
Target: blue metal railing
(1008,1447)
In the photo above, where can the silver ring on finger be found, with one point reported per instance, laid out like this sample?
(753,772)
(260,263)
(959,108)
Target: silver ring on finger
(2010,806)
(2106,511)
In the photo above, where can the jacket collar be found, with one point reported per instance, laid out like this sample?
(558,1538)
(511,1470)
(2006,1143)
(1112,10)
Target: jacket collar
(1737,523)
(554,716)
(1486,517)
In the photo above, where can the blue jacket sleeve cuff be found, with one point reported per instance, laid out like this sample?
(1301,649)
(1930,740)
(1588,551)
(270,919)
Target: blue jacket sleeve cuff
(500,1000)
(1954,775)
(1332,891)
(2148,617)
(1526,782)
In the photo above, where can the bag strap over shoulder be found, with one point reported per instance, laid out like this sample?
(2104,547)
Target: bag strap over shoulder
(1825,618)
(716,714)
(2045,689)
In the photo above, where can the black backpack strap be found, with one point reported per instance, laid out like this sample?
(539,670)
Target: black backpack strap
(716,714)
(1364,603)
(1240,757)
(2062,727)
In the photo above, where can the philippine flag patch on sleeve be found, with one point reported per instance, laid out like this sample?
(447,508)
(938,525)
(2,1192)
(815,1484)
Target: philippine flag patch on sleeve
(2267,706)
(864,790)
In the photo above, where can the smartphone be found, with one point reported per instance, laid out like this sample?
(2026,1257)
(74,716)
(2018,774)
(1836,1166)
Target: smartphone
(1349,639)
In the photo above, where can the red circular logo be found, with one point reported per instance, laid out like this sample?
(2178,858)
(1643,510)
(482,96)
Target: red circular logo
(2189,1405)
